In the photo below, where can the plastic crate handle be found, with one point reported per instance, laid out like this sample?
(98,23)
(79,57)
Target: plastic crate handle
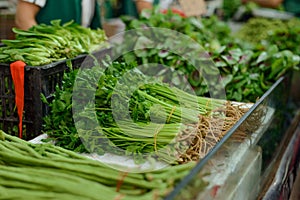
(17,70)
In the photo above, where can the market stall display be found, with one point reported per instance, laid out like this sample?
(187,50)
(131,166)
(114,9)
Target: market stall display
(201,147)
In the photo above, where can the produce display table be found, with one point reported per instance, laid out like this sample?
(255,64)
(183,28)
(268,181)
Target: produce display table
(256,158)
(281,182)
(257,155)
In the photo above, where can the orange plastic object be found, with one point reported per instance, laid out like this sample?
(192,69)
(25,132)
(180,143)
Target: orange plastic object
(179,12)
(17,70)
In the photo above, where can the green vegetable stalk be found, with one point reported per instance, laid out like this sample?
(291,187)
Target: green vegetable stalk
(41,171)
(43,44)
(136,120)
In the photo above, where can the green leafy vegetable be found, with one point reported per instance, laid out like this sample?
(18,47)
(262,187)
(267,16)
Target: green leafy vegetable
(43,44)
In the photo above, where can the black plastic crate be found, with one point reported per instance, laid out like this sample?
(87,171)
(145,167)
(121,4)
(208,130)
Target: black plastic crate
(38,80)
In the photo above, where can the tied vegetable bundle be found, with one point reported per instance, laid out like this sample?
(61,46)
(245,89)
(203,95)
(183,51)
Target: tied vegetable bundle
(43,44)
(45,171)
(155,119)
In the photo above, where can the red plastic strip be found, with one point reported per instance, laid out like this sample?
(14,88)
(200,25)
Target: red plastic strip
(174,10)
(17,70)
(120,182)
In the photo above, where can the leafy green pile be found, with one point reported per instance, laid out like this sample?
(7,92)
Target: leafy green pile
(283,33)
(257,29)
(248,74)
(206,31)
(156,112)
(247,70)
(43,44)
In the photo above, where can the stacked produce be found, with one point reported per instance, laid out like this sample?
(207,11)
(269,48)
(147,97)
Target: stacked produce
(247,70)
(44,44)
(164,121)
(45,171)
(138,116)
(189,130)
(261,27)
(283,33)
